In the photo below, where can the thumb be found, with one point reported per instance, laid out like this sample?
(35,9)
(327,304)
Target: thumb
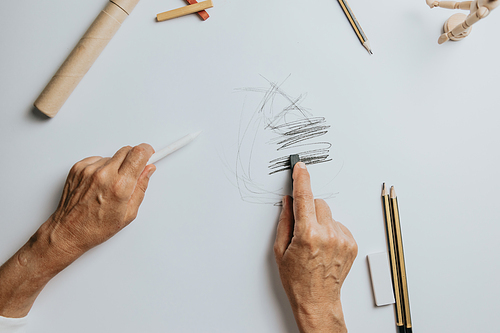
(284,232)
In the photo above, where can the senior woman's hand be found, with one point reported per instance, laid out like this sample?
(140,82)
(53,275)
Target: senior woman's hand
(101,196)
(314,254)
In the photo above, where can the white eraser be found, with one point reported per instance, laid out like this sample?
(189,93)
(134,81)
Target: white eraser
(381,278)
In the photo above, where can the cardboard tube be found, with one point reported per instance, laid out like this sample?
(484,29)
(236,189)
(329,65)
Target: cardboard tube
(83,56)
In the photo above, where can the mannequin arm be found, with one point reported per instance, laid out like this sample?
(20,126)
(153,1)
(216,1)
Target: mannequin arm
(469,21)
(465,5)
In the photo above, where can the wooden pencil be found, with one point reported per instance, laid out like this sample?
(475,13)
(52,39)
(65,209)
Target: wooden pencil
(401,260)
(393,258)
(189,9)
(355,25)
(202,13)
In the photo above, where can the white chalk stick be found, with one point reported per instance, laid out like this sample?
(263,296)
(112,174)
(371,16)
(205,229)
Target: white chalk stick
(380,273)
(172,147)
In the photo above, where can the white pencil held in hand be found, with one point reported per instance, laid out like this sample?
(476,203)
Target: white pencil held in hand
(172,147)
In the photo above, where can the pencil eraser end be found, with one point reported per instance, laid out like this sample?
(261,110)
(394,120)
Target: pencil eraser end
(380,273)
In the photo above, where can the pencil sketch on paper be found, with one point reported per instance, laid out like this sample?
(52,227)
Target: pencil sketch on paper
(274,125)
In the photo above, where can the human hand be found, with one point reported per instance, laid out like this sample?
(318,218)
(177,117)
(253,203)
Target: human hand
(314,254)
(101,196)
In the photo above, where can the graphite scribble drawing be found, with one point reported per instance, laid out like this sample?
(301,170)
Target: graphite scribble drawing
(292,134)
(276,126)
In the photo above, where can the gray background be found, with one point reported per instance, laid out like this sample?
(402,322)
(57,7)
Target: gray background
(198,258)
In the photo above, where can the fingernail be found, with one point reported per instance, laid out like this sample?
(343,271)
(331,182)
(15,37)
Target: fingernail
(301,165)
(283,201)
(150,172)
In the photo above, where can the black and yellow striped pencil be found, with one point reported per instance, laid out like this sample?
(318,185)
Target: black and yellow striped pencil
(391,244)
(355,25)
(401,260)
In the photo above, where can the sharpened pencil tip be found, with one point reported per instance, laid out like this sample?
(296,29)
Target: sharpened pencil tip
(367,46)
(384,190)
(393,192)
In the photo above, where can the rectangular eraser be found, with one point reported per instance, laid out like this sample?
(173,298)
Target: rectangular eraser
(380,273)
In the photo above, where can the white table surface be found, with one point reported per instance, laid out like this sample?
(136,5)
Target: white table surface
(198,258)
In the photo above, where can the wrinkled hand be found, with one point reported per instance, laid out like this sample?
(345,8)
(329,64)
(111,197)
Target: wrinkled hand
(314,254)
(101,196)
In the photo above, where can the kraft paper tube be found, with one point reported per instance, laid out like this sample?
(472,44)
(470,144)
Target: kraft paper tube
(83,56)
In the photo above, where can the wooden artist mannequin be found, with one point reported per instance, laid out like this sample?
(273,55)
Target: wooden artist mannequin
(458,26)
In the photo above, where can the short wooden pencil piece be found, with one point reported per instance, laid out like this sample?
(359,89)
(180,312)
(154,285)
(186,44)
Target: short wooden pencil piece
(355,25)
(202,13)
(83,56)
(162,153)
(190,9)
(401,259)
(393,259)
